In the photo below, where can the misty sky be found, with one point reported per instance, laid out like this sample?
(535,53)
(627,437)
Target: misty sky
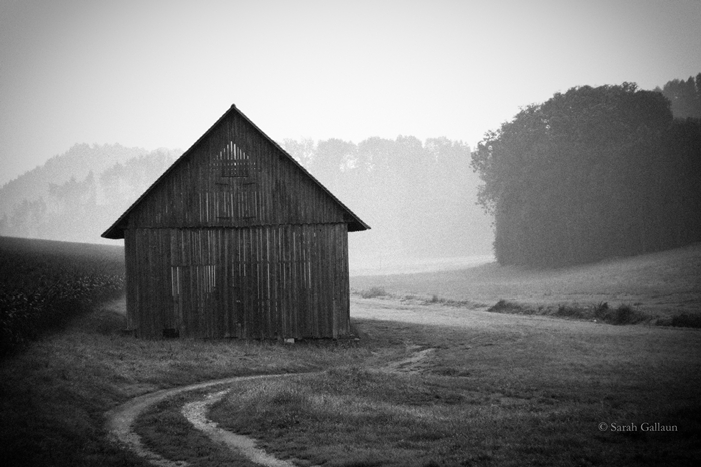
(159,73)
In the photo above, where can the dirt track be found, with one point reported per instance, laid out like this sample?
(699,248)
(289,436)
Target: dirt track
(120,421)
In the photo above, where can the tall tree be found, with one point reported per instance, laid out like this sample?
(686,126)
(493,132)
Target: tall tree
(583,176)
(685,96)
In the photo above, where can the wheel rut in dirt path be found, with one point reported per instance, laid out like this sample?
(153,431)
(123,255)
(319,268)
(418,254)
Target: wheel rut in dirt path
(121,419)
(196,413)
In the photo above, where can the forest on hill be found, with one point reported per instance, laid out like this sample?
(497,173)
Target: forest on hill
(594,173)
(75,163)
(75,196)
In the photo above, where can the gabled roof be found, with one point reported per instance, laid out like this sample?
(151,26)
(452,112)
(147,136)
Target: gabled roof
(116,230)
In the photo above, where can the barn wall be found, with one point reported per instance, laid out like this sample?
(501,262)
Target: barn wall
(260,282)
(236,177)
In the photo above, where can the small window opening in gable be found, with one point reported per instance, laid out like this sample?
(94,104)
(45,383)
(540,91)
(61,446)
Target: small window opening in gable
(234,162)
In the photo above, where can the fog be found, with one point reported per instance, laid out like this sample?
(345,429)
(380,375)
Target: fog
(113,77)
(419,197)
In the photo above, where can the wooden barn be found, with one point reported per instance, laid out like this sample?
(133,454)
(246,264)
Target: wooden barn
(237,239)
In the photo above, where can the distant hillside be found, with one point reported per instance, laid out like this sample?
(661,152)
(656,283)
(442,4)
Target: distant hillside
(77,162)
(75,196)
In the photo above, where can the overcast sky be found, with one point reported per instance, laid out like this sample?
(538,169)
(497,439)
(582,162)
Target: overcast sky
(159,73)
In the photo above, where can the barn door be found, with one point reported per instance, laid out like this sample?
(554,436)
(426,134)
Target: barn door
(194,300)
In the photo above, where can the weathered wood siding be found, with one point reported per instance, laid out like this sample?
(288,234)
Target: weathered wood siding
(257,282)
(237,240)
(235,177)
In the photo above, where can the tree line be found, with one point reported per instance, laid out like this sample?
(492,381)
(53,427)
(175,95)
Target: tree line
(592,173)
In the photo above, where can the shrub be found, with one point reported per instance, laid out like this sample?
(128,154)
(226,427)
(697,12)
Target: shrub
(623,314)
(569,312)
(505,306)
(686,320)
(374,292)
(601,310)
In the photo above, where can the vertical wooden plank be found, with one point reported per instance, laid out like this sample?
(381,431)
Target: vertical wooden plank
(310,260)
(294,282)
(317,282)
(243,284)
(310,302)
(146,263)
(190,295)
(145,267)
(248,290)
(223,282)
(132,277)
(274,271)
(332,263)
(330,288)
(284,280)
(240,282)
(262,310)
(345,292)
(263,283)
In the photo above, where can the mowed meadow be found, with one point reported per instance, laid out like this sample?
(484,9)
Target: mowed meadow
(659,285)
(435,379)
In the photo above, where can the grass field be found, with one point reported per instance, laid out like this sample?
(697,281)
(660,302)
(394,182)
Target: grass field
(477,388)
(661,285)
(54,395)
(430,382)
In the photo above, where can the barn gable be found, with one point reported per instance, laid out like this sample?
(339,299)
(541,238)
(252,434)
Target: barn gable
(234,176)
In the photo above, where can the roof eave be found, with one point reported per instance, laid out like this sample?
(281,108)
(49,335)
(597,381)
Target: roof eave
(113,233)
